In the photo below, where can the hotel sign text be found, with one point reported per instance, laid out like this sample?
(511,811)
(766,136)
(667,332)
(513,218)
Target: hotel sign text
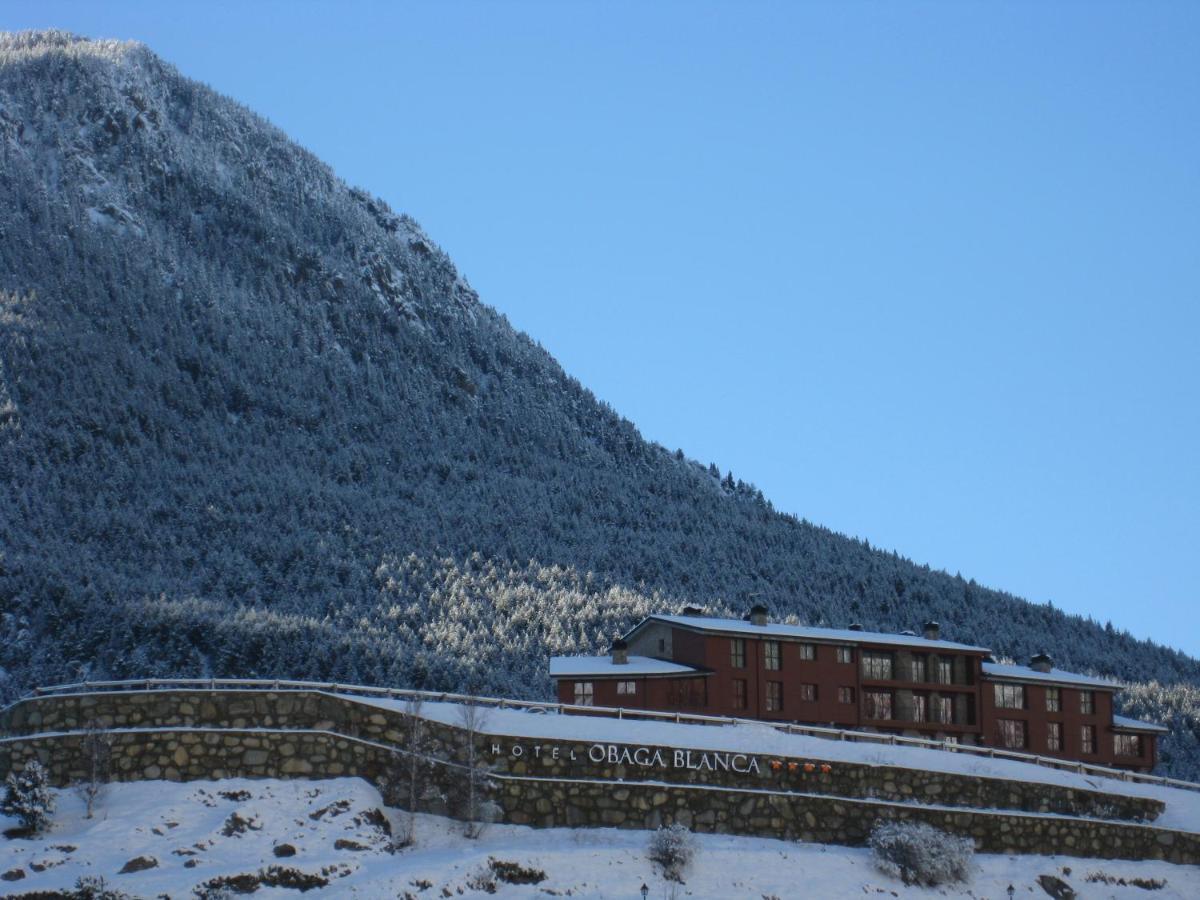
(642,757)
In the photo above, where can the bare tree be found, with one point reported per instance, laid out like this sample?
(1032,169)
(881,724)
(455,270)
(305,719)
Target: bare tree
(415,768)
(478,808)
(97,744)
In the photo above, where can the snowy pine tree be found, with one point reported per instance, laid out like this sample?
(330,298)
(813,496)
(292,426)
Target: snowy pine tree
(29,798)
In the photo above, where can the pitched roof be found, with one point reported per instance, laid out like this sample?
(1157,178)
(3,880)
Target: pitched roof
(600,666)
(1054,676)
(805,633)
(1121,722)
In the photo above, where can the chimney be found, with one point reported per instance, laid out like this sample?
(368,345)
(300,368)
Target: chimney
(856,627)
(693,611)
(1041,662)
(931,631)
(758,614)
(620,652)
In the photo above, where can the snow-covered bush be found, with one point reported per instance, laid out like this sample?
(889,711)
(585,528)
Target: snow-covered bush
(28,797)
(672,847)
(921,854)
(93,887)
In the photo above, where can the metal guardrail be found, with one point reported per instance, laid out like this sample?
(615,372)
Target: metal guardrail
(837,734)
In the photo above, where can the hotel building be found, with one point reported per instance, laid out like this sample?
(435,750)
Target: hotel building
(916,685)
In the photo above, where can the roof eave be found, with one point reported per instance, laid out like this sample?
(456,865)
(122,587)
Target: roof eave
(626,676)
(1141,727)
(1054,682)
(715,629)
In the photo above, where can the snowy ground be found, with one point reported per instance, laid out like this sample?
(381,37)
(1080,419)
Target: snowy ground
(1182,806)
(200,831)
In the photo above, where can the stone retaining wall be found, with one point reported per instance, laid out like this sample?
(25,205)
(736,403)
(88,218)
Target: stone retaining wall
(807,775)
(185,755)
(829,819)
(349,716)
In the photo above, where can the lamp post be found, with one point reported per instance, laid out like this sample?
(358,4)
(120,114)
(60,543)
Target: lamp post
(1011,890)
(646,890)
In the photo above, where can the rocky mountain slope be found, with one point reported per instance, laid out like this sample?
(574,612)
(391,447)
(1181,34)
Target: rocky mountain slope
(254,422)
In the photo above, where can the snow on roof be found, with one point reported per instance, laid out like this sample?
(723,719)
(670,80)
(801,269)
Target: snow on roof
(843,635)
(1137,724)
(566,666)
(1058,676)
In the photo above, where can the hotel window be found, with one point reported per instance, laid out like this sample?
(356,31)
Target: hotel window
(774,696)
(945,710)
(739,693)
(737,653)
(626,687)
(1127,745)
(771,655)
(1010,696)
(877,666)
(1011,733)
(692,692)
(1053,700)
(808,652)
(845,695)
(920,708)
(878,704)
(808,692)
(1087,739)
(584,694)
(845,654)
(1087,702)
(920,668)
(945,670)
(1054,736)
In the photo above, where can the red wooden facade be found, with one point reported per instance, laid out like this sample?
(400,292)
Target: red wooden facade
(906,684)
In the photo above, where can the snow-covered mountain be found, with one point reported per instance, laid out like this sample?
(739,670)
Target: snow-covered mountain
(253,422)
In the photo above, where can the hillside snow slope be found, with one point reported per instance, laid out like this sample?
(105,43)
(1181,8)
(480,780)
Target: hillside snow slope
(203,833)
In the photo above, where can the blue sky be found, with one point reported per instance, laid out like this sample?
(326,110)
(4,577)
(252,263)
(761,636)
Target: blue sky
(925,273)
